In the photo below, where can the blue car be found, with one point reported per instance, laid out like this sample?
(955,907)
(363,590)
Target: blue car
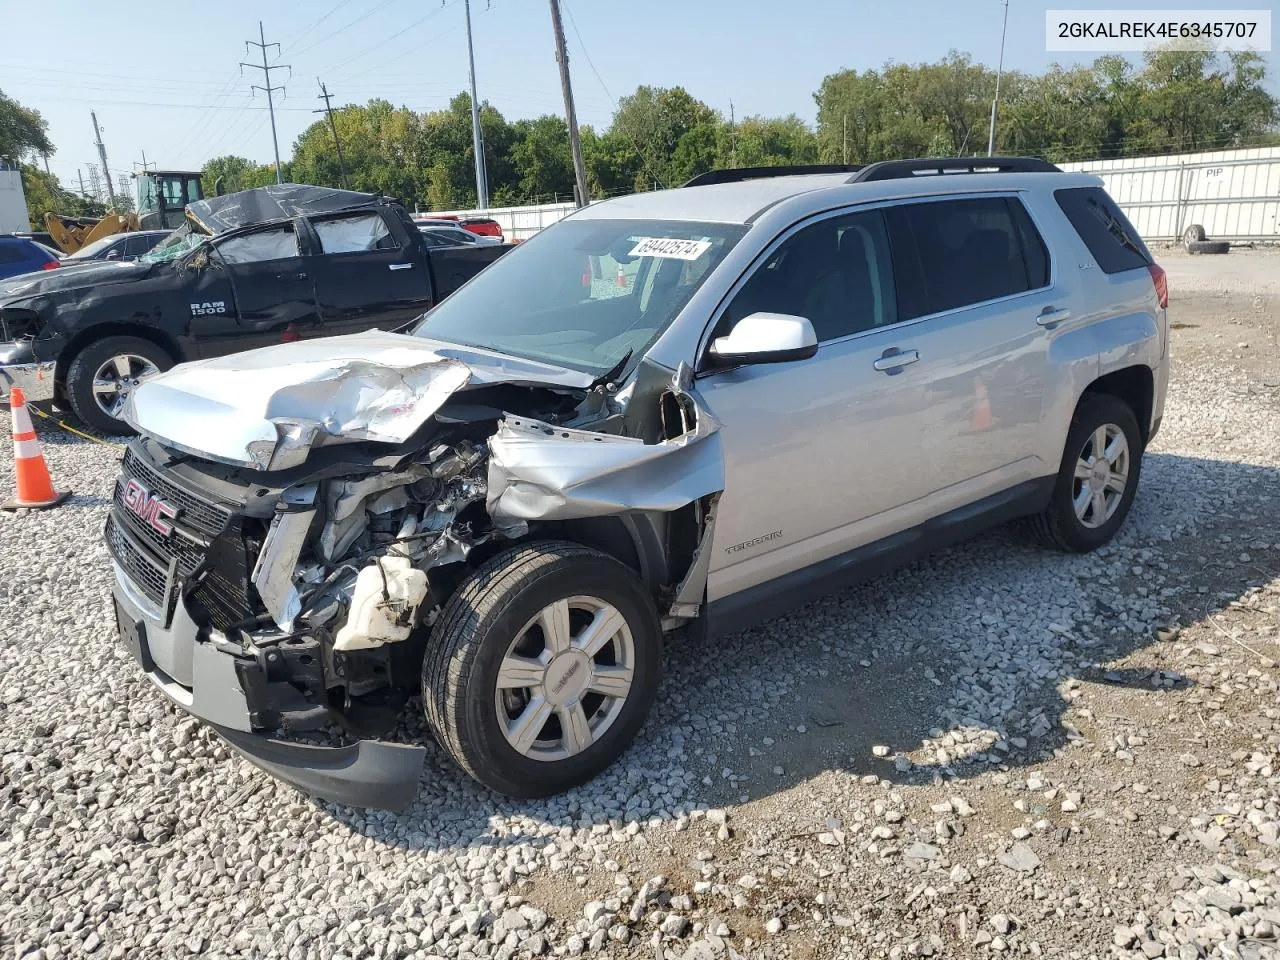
(20,255)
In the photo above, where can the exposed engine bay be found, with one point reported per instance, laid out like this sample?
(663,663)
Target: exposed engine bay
(328,574)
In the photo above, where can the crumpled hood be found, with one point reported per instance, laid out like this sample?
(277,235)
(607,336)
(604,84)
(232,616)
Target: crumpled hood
(267,408)
(86,276)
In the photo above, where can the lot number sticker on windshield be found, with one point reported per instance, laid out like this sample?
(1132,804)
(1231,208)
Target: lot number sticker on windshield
(667,247)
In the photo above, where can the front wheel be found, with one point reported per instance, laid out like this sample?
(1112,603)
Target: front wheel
(542,668)
(1097,479)
(102,376)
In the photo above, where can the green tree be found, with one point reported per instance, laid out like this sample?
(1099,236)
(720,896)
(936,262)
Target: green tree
(45,194)
(237,174)
(654,120)
(23,132)
(541,157)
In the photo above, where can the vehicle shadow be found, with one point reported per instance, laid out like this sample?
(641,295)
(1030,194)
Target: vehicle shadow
(894,663)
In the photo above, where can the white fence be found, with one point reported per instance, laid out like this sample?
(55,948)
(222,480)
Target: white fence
(518,223)
(1233,194)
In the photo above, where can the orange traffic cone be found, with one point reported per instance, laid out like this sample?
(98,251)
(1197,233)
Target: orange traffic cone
(981,419)
(622,278)
(35,488)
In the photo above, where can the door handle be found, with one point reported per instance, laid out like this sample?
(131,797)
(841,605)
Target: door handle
(400,266)
(895,360)
(291,276)
(1051,315)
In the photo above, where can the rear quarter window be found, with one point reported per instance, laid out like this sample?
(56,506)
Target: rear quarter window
(1104,228)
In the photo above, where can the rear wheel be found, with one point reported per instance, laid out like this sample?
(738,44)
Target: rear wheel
(104,374)
(1097,479)
(542,668)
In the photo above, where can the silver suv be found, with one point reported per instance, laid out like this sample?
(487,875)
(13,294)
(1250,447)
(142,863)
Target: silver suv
(671,412)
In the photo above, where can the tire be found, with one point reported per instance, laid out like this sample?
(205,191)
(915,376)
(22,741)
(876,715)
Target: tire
(1193,234)
(1209,246)
(493,622)
(1060,525)
(85,366)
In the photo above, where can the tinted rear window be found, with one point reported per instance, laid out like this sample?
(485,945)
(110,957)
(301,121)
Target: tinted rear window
(1105,230)
(954,253)
(13,253)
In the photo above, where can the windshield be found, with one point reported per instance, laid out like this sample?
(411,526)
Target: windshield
(583,293)
(174,245)
(93,249)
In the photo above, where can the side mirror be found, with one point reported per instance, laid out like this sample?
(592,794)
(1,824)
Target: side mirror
(112,255)
(765,338)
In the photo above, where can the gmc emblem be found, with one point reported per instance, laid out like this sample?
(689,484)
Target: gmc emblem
(155,512)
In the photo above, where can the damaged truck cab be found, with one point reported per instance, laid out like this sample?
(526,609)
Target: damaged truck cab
(676,411)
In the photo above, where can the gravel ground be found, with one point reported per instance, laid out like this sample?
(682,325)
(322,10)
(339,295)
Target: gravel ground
(995,751)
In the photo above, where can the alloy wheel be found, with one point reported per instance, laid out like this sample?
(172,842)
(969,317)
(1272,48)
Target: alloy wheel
(564,678)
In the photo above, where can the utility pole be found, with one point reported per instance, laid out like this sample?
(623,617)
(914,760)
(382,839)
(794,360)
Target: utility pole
(46,165)
(733,136)
(991,134)
(102,155)
(145,166)
(262,45)
(328,110)
(81,176)
(571,115)
(477,139)
(844,142)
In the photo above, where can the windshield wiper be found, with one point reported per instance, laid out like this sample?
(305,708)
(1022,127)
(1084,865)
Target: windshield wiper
(613,372)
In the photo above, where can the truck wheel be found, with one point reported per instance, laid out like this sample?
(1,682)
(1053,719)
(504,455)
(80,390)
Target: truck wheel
(542,668)
(103,375)
(1097,479)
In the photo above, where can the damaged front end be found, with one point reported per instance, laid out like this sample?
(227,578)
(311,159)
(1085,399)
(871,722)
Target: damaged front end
(295,592)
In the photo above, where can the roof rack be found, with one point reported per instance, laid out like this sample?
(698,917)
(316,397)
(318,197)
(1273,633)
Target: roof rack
(899,169)
(738,174)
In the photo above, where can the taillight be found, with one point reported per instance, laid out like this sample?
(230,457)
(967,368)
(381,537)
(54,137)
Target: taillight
(51,265)
(1161,281)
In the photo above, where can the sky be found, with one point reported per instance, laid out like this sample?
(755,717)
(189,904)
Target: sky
(165,78)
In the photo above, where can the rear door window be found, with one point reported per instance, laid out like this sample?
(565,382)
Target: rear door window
(354,234)
(1105,230)
(950,254)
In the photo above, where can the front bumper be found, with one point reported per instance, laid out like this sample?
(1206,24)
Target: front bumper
(19,369)
(210,684)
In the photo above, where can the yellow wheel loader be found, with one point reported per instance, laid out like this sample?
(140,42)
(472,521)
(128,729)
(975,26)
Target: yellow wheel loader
(162,197)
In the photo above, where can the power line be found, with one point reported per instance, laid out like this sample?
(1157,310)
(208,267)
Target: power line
(644,161)
(267,88)
(332,10)
(386,40)
(330,36)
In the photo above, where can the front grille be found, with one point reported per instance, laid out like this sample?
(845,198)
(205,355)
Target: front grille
(145,570)
(161,564)
(198,514)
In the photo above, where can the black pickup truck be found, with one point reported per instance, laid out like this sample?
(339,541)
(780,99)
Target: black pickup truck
(278,263)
